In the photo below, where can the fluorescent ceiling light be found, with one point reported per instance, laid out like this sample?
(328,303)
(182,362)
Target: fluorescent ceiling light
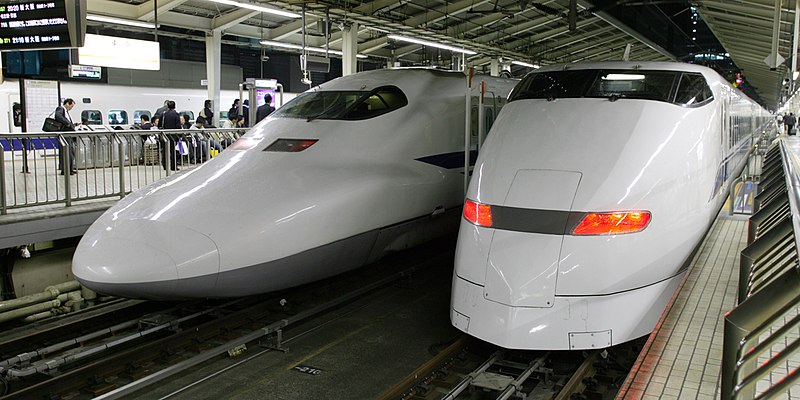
(524,64)
(372,28)
(624,77)
(293,46)
(120,21)
(255,7)
(431,44)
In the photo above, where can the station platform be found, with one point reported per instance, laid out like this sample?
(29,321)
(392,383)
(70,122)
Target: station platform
(683,357)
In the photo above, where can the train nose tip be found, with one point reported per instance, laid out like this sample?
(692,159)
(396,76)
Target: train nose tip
(121,267)
(145,259)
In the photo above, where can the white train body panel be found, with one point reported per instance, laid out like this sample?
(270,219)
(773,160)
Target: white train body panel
(558,159)
(252,221)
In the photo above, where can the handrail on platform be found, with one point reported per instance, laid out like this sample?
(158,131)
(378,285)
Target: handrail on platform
(769,288)
(96,164)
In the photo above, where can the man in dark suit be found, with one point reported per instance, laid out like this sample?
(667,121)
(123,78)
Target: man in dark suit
(62,115)
(246,112)
(161,110)
(266,109)
(170,120)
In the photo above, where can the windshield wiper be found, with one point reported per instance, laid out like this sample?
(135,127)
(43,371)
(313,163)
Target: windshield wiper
(615,96)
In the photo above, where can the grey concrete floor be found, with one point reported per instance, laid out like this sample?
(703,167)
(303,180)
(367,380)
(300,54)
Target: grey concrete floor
(361,349)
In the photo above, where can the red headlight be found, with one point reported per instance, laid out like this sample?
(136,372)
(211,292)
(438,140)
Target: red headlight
(477,213)
(290,145)
(612,223)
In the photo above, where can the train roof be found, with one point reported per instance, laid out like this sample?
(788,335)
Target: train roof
(368,80)
(633,65)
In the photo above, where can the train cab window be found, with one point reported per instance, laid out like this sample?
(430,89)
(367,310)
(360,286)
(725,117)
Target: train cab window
(646,85)
(137,116)
(552,85)
(319,105)
(380,101)
(657,85)
(92,117)
(346,105)
(117,117)
(693,90)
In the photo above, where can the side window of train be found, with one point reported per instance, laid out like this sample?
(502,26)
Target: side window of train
(189,113)
(381,101)
(693,90)
(488,115)
(137,116)
(117,117)
(473,123)
(93,117)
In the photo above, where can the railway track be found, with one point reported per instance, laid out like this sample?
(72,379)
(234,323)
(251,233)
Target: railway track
(125,356)
(470,369)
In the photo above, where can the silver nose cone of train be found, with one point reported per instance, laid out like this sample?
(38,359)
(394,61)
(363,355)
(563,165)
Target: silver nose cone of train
(146,259)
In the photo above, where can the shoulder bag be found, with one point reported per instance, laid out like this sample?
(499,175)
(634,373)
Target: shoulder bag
(51,125)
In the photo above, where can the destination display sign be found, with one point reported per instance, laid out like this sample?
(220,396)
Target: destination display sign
(43,24)
(85,71)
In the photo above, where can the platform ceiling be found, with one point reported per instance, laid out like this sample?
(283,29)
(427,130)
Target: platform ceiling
(522,30)
(745,27)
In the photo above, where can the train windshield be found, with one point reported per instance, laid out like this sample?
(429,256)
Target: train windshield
(343,105)
(614,84)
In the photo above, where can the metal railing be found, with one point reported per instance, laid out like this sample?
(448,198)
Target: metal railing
(762,332)
(741,188)
(51,168)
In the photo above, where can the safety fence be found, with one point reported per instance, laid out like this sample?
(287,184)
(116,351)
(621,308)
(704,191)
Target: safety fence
(762,334)
(45,168)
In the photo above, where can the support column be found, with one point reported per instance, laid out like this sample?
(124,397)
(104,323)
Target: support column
(349,49)
(213,68)
(773,59)
(495,66)
(794,45)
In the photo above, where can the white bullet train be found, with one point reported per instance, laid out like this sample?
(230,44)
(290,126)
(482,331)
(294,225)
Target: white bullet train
(344,173)
(594,187)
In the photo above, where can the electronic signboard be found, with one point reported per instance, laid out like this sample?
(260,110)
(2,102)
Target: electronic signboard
(42,24)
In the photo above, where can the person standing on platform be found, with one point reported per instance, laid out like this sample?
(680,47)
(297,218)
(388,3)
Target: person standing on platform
(17,110)
(185,122)
(246,113)
(62,116)
(207,113)
(160,111)
(170,120)
(789,121)
(144,125)
(234,110)
(266,109)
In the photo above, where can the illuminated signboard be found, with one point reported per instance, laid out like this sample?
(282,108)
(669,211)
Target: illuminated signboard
(117,52)
(44,24)
(85,71)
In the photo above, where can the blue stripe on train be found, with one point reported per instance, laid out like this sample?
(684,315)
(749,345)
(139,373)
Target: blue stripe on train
(450,160)
(39,143)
